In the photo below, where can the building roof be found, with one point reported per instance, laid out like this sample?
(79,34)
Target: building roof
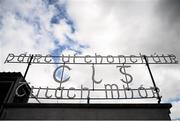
(10,74)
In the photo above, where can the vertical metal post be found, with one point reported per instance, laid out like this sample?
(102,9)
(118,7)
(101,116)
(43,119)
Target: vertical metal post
(27,68)
(156,89)
(26,74)
(62,74)
(88,100)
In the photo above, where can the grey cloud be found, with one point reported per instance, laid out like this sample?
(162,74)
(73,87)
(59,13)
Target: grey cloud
(151,25)
(168,13)
(169,10)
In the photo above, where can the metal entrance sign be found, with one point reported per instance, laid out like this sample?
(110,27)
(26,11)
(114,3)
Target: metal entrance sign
(118,91)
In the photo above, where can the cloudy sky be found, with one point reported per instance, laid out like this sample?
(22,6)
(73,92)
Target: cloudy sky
(93,26)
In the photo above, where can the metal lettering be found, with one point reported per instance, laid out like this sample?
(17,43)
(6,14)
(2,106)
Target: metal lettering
(173,58)
(85,59)
(61,81)
(71,97)
(111,89)
(61,96)
(153,91)
(88,59)
(82,90)
(123,71)
(140,89)
(142,57)
(11,55)
(131,58)
(37,58)
(121,56)
(154,57)
(29,58)
(93,77)
(45,59)
(38,92)
(64,59)
(36,96)
(112,59)
(74,58)
(46,94)
(128,89)
(96,58)
(18,89)
(21,57)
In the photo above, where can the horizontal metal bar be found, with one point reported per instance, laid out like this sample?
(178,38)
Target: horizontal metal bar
(90,89)
(87,63)
(98,56)
(94,98)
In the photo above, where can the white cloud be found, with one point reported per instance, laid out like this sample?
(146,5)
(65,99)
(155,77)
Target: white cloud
(26,27)
(59,30)
(175,110)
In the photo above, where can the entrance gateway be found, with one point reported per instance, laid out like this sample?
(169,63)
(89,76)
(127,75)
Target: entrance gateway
(91,96)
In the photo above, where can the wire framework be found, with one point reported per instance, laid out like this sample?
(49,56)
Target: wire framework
(93,60)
